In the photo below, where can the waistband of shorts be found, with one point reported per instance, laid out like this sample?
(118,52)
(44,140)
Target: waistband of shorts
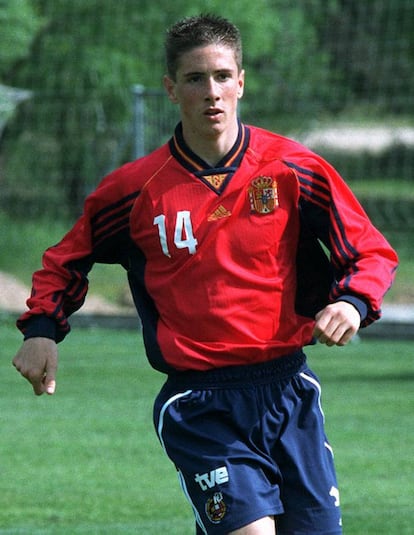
(270,371)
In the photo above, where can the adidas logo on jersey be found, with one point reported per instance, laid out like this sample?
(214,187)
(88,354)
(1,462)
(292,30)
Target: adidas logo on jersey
(219,213)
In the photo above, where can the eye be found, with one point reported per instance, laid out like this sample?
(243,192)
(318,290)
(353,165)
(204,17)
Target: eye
(194,78)
(223,76)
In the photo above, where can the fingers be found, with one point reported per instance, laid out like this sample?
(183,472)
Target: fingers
(37,384)
(334,336)
(336,324)
(36,377)
(33,375)
(49,380)
(45,385)
(49,383)
(37,362)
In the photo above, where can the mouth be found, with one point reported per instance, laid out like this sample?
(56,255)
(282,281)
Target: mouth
(213,112)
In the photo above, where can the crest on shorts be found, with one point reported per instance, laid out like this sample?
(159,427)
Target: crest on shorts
(216,508)
(263,195)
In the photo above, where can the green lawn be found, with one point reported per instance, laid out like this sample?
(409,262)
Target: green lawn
(383,189)
(86,461)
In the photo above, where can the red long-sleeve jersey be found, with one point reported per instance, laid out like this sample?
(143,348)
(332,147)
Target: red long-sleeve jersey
(224,262)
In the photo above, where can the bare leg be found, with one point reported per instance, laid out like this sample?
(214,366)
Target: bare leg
(263,526)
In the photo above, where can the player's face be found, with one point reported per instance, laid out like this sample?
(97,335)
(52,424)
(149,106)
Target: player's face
(207,87)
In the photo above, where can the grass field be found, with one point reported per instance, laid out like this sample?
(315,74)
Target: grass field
(86,461)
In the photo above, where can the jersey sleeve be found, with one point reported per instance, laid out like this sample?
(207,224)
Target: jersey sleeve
(363,261)
(101,234)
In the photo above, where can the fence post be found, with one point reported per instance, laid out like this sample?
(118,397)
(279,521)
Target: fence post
(138,125)
(10,98)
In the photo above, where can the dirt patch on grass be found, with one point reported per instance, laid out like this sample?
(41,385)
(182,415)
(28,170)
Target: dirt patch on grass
(13,296)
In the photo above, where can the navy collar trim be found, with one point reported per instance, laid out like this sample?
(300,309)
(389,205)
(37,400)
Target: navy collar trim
(215,177)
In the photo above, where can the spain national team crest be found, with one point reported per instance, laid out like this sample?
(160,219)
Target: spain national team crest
(216,508)
(263,195)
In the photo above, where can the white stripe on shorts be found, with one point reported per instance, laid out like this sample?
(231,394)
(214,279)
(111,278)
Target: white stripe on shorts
(180,475)
(187,495)
(318,387)
(162,413)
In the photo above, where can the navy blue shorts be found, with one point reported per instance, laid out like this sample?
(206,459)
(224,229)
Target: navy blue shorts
(249,442)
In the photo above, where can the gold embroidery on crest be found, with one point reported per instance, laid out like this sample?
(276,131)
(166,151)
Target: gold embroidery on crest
(216,508)
(263,195)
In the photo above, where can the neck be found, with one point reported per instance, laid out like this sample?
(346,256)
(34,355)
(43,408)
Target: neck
(212,148)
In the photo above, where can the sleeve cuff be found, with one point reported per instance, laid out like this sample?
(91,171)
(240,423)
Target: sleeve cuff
(42,326)
(357,303)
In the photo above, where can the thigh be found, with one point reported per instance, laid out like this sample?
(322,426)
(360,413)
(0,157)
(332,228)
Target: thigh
(309,491)
(210,437)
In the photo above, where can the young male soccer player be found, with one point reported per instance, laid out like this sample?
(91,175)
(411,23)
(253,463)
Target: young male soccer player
(218,231)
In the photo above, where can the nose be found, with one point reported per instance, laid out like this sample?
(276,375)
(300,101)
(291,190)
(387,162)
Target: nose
(212,90)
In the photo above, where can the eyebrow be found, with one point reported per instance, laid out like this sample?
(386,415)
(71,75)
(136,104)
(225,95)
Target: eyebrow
(201,73)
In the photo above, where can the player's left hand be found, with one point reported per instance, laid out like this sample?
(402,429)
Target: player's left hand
(336,324)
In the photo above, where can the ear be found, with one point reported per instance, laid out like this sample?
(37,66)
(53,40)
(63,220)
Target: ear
(241,84)
(169,85)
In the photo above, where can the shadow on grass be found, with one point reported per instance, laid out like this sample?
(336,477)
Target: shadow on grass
(374,378)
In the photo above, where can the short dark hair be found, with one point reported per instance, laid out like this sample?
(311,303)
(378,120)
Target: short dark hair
(200,30)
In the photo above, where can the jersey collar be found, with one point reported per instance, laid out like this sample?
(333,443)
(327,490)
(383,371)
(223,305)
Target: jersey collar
(216,177)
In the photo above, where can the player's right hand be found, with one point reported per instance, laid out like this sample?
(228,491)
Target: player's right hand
(37,361)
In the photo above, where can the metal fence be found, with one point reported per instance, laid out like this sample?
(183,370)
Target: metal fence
(377,161)
(337,76)
(40,174)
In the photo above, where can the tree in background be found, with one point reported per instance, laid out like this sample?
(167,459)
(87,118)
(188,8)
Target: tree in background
(19,24)
(87,55)
(81,66)
(81,58)
(371,48)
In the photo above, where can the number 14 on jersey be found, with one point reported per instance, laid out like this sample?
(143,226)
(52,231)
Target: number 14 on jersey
(183,233)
